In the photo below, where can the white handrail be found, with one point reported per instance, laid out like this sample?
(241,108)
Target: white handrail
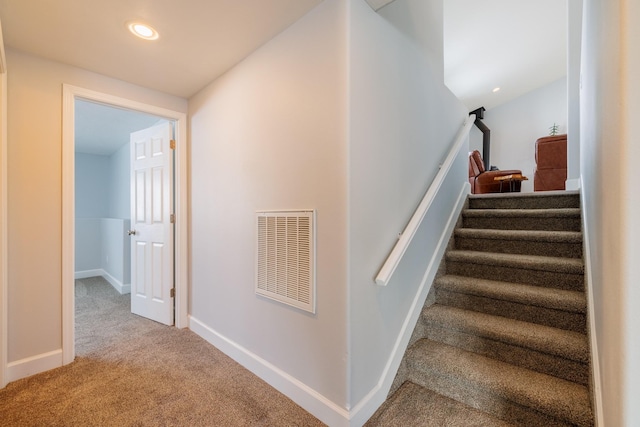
(390,265)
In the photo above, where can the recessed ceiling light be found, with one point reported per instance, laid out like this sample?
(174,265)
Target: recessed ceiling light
(496,89)
(143,31)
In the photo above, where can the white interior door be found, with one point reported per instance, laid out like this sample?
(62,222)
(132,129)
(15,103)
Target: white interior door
(151,227)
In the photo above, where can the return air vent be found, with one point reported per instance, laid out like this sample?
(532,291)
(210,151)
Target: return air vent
(286,258)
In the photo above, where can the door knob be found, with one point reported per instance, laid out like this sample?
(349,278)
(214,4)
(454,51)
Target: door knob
(131,232)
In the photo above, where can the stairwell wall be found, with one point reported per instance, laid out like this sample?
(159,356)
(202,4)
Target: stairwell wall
(402,122)
(353,123)
(610,105)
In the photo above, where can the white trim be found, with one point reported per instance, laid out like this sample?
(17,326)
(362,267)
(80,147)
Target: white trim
(84,274)
(372,401)
(68,226)
(572,184)
(4,263)
(34,365)
(3,57)
(394,258)
(312,401)
(596,380)
(117,284)
(376,5)
(70,93)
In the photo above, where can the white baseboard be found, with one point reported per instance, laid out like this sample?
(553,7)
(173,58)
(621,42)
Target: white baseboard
(572,184)
(118,286)
(593,336)
(34,365)
(88,273)
(362,411)
(123,289)
(313,402)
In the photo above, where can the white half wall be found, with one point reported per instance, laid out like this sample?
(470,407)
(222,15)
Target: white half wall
(116,250)
(516,125)
(88,244)
(103,248)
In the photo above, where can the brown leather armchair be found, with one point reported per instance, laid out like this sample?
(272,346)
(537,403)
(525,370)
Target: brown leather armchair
(551,163)
(484,181)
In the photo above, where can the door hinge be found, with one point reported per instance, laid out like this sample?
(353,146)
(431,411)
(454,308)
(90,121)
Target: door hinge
(172,218)
(172,144)
(172,294)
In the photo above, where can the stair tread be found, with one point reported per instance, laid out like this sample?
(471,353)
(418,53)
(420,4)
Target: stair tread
(531,262)
(558,342)
(559,398)
(414,405)
(558,299)
(522,213)
(534,195)
(528,235)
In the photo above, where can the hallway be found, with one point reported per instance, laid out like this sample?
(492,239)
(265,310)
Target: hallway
(132,371)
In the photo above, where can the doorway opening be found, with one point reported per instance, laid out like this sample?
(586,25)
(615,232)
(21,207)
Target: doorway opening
(106,255)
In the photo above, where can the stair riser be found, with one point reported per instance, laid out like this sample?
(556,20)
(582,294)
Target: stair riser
(560,223)
(541,315)
(523,247)
(549,202)
(551,279)
(482,399)
(516,355)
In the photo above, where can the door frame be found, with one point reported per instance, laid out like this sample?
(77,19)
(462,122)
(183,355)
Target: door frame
(4,238)
(69,95)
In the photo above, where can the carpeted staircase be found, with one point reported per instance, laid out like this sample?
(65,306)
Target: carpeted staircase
(502,339)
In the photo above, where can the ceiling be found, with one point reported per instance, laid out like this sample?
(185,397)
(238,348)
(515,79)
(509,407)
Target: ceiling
(199,39)
(517,46)
(102,130)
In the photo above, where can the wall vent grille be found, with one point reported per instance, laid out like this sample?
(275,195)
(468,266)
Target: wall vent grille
(285,258)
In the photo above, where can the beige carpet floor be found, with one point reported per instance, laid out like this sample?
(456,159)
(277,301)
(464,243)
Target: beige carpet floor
(130,371)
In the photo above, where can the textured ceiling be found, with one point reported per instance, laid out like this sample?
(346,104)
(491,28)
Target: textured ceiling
(199,39)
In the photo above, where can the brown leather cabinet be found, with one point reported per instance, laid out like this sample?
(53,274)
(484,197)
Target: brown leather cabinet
(551,163)
(483,182)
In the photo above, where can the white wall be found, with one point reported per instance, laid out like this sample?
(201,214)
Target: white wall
(516,125)
(573,92)
(269,135)
(272,134)
(88,240)
(116,250)
(35,198)
(403,121)
(92,181)
(610,103)
(120,188)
